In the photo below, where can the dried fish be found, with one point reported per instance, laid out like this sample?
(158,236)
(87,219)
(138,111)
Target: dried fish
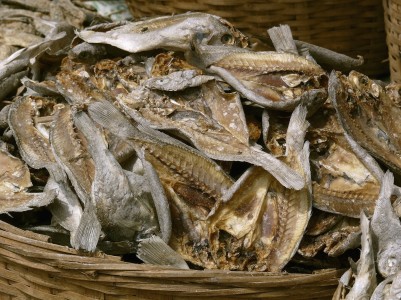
(60,37)
(321,222)
(270,79)
(259,217)
(88,53)
(36,152)
(345,235)
(386,230)
(342,183)
(360,103)
(365,281)
(124,213)
(177,81)
(175,155)
(70,150)
(382,290)
(217,128)
(170,32)
(14,183)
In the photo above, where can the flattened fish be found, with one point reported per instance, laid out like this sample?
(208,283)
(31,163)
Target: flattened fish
(212,120)
(124,214)
(364,109)
(265,219)
(271,79)
(169,32)
(36,151)
(14,182)
(342,183)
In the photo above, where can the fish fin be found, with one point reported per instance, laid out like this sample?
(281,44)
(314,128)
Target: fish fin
(86,236)
(108,116)
(159,197)
(297,129)
(155,251)
(281,37)
(286,175)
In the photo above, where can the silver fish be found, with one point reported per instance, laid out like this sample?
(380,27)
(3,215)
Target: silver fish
(170,32)
(386,230)
(365,281)
(124,213)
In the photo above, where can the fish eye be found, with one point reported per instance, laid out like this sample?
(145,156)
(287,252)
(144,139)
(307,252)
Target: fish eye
(84,55)
(227,39)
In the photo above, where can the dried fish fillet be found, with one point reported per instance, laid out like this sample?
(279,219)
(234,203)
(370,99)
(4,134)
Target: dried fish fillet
(256,215)
(70,151)
(217,128)
(36,152)
(171,32)
(270,79)
(363,107)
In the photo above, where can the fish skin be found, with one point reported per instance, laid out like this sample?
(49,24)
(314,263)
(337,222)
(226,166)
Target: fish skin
(169,32)
(386,230)
(207,175)
(360,110)
(124,214)
(274,80)
(70,151)
(36,151)
(265,219)
(365,281)
(382,291)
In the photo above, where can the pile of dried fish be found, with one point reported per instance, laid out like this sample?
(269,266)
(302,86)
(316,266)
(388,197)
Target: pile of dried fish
(171,135)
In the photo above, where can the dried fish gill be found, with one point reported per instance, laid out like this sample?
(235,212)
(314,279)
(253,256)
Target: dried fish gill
(270,79)
(170,32)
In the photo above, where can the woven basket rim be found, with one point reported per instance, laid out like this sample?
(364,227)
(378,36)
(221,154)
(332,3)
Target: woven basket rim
(33,253)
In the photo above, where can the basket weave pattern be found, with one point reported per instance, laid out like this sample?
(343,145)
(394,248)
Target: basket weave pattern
(392,12)
(352,27)
(33,268)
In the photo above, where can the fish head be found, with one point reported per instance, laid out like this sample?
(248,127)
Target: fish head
(389,260)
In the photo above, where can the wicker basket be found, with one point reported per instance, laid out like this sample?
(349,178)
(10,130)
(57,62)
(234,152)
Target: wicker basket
(33,268)
(392,13)
(352,27)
